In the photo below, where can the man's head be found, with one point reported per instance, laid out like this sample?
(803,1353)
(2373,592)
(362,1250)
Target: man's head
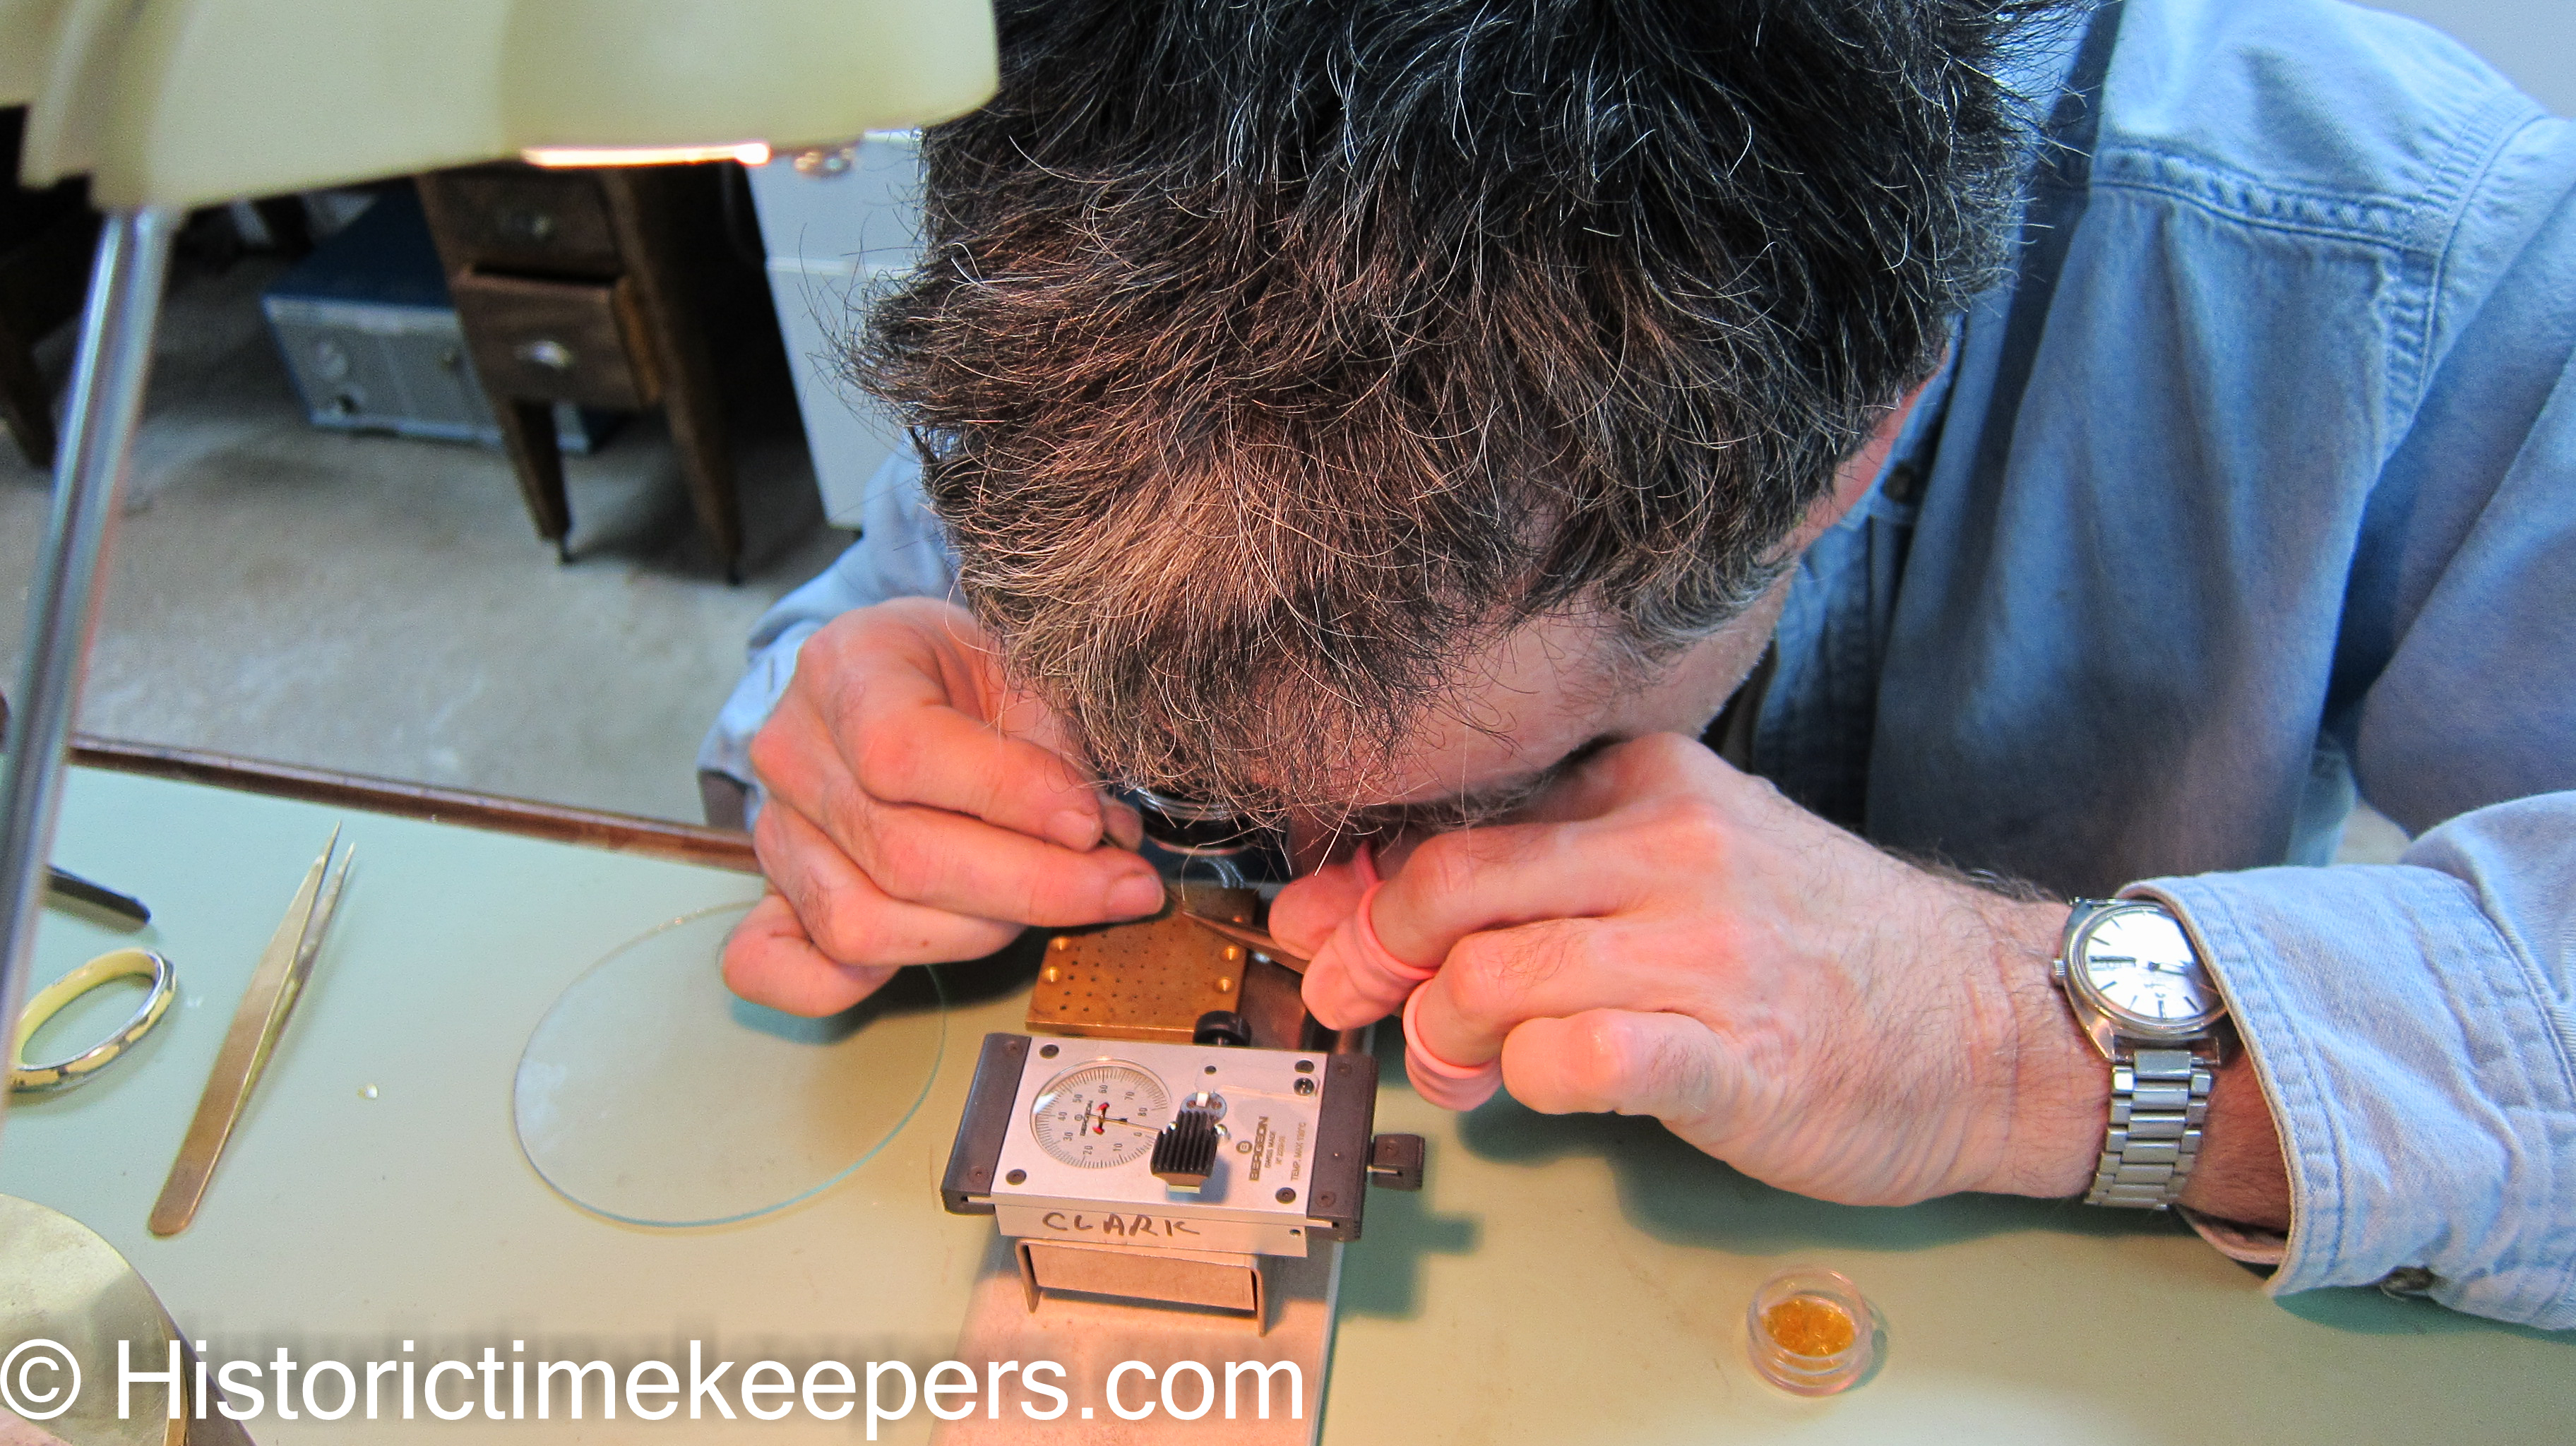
(1304,383)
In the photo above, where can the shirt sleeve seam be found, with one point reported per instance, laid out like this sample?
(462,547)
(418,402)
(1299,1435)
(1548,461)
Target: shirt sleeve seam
(2472,167)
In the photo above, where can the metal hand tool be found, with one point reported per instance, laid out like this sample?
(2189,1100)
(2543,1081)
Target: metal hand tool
(266,1005)
(1249,937)
(72,886)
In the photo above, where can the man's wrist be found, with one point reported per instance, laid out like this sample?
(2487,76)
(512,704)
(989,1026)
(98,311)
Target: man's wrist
(2059,1086)
(2057,1105)
(2242,1175)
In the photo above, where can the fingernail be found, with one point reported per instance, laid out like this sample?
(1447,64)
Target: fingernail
(1074,828)
(1125,825)
(1136,894)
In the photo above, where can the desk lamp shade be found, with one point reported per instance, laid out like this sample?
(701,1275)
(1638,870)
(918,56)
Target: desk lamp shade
(185,103)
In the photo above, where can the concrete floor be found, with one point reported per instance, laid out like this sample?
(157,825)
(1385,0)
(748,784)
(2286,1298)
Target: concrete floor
(383,605)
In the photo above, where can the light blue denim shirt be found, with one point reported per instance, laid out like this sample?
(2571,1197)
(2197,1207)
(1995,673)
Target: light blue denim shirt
(2288,512)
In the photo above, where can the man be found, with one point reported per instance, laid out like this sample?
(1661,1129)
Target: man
(1412,421)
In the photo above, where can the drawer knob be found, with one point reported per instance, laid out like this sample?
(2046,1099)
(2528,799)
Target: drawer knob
(546,352)
(528,225)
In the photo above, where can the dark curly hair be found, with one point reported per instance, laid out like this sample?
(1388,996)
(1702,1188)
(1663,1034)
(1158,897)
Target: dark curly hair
(1271,357)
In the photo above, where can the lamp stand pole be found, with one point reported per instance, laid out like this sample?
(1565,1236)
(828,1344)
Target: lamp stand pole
(106,399)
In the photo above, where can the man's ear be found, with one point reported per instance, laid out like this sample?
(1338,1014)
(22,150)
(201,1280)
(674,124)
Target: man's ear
(1853,478)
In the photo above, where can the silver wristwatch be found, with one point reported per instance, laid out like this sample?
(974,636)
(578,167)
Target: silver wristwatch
(2141,994)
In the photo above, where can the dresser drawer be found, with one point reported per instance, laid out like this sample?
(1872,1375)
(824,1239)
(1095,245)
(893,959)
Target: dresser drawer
(564,341)
(519,218)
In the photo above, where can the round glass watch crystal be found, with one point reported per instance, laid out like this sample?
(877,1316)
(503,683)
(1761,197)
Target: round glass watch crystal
(2139,962)
(1101,1114)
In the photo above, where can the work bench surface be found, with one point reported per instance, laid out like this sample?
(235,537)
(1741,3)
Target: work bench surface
(1558,1280)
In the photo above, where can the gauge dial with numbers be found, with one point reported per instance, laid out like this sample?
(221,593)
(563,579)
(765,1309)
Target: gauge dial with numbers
(1101,1114)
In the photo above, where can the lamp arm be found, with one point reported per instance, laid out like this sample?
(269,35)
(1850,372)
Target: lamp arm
(106,400)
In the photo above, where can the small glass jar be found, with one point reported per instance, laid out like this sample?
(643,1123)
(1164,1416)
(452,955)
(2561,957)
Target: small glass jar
(1810,1332)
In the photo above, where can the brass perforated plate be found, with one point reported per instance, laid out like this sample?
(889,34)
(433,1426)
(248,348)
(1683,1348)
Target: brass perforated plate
(1151,979)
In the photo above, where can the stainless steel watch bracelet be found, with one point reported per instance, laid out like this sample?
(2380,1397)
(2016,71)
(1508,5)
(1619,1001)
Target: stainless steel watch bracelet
(2159,1099)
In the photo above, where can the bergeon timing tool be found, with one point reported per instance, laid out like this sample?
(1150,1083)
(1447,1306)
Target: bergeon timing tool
(1164,1171)
(1123,1162)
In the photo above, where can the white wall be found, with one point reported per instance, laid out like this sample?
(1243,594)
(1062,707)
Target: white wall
(2532,41)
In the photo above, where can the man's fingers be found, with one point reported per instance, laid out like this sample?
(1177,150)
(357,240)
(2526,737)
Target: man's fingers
(1495,982)
(905,698)
(1482,879)
(949,859)
(1309,909)
(1124,825)
(962,865)
(1610,1060)
(850,920)
(769,960)
(937,757)
(1352,980)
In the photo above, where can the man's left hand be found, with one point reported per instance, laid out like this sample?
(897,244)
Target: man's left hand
(1663,935)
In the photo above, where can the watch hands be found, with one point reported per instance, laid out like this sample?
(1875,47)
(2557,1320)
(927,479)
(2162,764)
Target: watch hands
(1106,1118)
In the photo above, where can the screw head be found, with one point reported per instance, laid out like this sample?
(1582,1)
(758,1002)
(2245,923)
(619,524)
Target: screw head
(1286,1195)
(1016,1177)
(1046,1051)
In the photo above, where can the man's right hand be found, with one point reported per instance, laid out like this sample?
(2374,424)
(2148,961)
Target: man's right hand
(918,811)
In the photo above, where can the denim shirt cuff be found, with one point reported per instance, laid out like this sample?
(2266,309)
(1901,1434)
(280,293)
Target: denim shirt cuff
(2422,1096)
(726,749)
(2237,1240)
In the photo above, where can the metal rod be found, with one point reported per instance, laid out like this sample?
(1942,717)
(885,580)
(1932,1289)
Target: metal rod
(106,399)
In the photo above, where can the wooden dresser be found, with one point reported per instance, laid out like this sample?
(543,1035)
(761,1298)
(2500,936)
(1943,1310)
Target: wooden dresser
(602,288)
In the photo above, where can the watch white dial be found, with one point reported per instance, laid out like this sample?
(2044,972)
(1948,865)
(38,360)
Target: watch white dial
(2144,972)
(2132,962)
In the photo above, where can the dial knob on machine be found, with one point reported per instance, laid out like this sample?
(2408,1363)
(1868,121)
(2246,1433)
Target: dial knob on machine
(1185,1153)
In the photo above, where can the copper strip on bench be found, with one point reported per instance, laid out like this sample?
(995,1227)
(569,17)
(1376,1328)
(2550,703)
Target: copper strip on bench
(590,827)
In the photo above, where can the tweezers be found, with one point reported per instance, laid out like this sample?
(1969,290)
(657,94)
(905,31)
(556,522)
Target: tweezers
(1250,938)
(275,987)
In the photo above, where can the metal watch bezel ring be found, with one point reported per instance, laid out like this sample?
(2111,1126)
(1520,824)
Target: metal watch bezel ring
(27,1078)
(2079,978)
(1191,829)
